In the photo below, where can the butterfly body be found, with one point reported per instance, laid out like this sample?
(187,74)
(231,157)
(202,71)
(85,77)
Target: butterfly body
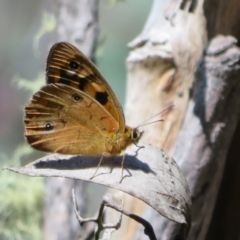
(76,112)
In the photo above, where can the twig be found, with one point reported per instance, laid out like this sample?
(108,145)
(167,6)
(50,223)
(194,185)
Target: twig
(98,220)
(107,201)
(148,227)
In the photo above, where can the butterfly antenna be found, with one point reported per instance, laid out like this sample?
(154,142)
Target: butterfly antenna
(144,124)
(160,120)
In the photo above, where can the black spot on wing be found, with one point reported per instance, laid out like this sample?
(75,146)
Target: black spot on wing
(84,81)
(67,78)
(64,81)
(77,98)
(48,126)
(101,97)
(74,65)
(50,79)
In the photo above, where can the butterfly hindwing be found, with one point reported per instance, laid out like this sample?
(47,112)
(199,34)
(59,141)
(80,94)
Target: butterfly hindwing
(63,119)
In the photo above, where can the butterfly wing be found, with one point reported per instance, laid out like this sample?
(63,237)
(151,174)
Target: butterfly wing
(67,65)
(63,119)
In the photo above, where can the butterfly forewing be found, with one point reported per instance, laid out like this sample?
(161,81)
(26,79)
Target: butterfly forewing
(63,119)
(67,65)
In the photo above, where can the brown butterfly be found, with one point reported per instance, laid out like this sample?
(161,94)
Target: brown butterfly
(76,112)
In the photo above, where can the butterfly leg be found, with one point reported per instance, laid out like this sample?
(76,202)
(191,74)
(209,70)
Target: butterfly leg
(139,147)
(99,164)
(122,165)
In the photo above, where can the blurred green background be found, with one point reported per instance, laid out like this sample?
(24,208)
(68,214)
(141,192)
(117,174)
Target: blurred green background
(20,23)
(26,28)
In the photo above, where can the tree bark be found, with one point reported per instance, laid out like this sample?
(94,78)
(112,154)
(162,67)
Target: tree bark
(166,66)
(78,24)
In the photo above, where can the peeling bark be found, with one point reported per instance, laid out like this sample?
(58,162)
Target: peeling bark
(167,65)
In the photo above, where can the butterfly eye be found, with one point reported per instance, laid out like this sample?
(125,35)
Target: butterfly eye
(73,65)
(49,126)
(135,134)
(77,98)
